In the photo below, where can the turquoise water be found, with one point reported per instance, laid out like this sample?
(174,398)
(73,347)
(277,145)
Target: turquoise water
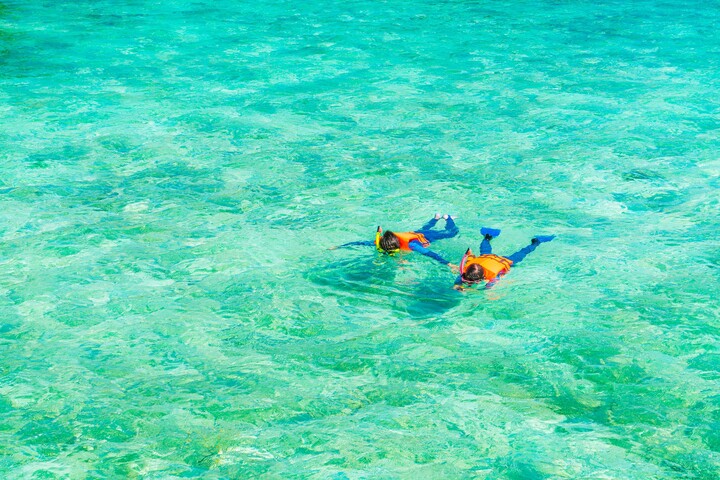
(172,174)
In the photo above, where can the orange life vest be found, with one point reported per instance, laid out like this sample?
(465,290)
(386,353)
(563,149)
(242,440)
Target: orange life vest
(492,265)
(407,237)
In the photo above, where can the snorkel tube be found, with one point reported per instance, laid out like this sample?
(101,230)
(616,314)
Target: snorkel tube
(464,260)
(378,234)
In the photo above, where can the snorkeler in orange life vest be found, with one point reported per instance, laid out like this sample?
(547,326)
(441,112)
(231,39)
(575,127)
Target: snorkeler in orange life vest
(415,241)
(489,267)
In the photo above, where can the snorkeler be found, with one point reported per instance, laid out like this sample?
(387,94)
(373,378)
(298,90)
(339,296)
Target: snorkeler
(489,267)
(416,241)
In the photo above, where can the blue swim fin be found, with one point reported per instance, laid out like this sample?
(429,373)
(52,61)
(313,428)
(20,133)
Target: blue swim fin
(544,238)
(493,232)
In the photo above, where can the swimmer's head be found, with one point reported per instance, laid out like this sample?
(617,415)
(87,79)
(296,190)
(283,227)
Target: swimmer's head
(389,242)
(473,274)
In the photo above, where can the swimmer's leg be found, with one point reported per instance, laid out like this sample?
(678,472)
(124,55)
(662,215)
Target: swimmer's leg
(489,233)
(430,224)
(518,256)
(432,235)
(485,247)
(450,225)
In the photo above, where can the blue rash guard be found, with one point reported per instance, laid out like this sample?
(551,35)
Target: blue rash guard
(431,235)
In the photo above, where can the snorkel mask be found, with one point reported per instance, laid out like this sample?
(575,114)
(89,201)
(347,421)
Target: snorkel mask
(378,236)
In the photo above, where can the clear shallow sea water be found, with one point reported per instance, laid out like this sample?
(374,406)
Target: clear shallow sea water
(172,174)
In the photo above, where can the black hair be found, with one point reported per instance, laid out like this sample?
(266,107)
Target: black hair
(474,273)
(389,241)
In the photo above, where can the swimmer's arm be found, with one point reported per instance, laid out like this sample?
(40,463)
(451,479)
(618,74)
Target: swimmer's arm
(461,288)
(492,282)
(363,243)
(465,290)
(416,247)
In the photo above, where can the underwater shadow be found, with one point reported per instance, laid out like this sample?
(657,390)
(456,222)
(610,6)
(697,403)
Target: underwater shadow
(406,289)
